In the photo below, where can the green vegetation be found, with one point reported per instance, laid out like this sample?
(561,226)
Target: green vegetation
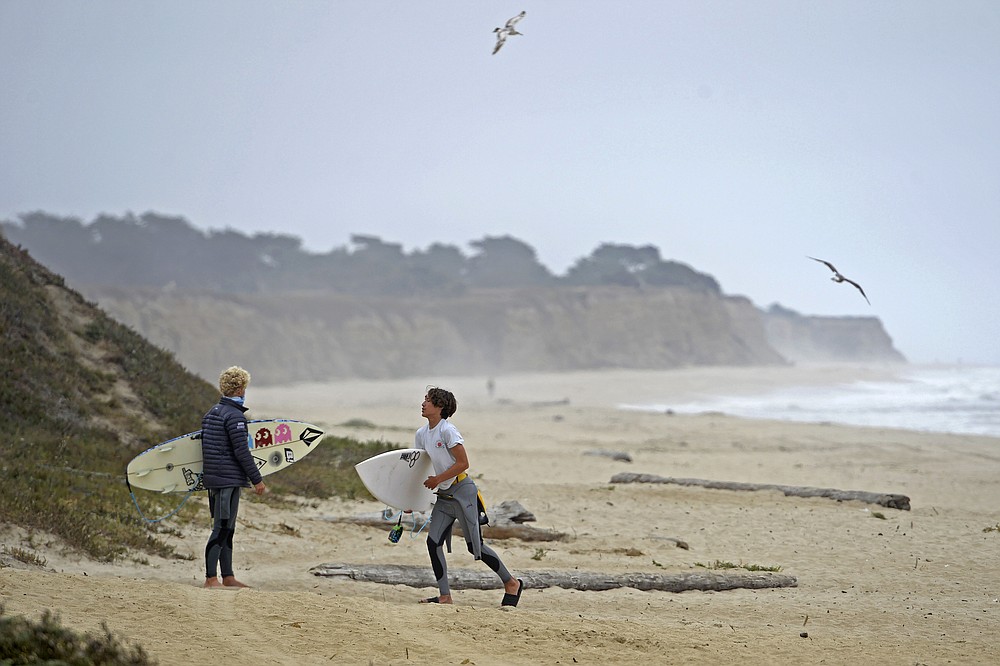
(71,426)
(81,396)
(719,564)
(47,642)
(22,555)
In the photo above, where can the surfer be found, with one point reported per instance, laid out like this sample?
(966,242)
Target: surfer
(228,467)
(458,497)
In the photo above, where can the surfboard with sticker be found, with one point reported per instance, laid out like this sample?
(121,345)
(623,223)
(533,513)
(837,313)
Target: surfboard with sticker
(176,464)
(396,478)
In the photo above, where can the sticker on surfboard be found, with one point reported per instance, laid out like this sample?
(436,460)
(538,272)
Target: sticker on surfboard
(396,478)
(176,464)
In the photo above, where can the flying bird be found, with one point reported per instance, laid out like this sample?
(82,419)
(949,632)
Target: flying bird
(837,277)
(506,31)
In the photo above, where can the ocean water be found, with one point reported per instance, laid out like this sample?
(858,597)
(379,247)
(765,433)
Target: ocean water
(959,399)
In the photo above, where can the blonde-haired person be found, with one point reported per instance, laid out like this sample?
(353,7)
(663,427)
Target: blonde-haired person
(233,380)
(228,467)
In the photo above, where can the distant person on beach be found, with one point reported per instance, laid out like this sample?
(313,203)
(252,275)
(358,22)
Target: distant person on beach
(490,386)
(457,497)
(228,467)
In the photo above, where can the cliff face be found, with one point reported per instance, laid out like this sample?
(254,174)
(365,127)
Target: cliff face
(318,336)
(829,339)
(304,336)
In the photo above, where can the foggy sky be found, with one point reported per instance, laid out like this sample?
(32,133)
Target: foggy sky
(737,137)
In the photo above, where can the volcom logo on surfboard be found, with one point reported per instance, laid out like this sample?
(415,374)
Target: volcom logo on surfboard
(310,435)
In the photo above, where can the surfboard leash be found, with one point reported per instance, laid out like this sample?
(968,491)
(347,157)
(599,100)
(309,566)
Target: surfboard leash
(155,520)
(388,516)
(414,531)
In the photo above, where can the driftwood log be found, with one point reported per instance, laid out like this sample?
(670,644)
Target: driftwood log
(891,501)
(506,522)
(466,579)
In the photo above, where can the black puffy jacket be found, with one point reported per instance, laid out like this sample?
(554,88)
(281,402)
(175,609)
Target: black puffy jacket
(225,449)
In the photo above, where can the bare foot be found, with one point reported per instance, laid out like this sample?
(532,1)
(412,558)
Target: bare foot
(230,581)
(212,582)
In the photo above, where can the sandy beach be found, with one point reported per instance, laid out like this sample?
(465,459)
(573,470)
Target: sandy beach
(910,587)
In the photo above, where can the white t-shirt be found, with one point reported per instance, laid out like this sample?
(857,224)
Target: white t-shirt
(436,441)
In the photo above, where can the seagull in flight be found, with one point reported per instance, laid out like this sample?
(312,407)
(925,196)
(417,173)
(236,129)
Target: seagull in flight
(506,31)
(837,277)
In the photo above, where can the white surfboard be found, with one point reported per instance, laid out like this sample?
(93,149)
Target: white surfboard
(176,465)
(396,478)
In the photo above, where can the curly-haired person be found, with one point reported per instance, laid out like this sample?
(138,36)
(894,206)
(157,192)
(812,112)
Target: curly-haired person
(228,467)
(457,497)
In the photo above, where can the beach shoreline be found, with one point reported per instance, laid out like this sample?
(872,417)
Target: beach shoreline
(874,584)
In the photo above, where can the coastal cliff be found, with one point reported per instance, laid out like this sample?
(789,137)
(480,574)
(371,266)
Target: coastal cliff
(312,335)
(828,339)
(371,310)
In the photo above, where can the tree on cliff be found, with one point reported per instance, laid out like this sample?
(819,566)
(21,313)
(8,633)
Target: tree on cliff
(629,266)
(153,250)
(441,269)
(506,262)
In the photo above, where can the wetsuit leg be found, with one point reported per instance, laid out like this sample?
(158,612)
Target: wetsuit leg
(467,496)
(441,521)
(494,562)
(223,504)
(226,556)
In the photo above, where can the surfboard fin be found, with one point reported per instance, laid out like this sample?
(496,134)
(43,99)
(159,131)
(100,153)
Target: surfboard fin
(164,449)
(169,489)
(142,473)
